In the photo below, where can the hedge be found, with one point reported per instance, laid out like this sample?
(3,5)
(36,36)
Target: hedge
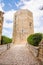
(34,39)
(5,40)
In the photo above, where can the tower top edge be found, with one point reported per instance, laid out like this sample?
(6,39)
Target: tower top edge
(23,10)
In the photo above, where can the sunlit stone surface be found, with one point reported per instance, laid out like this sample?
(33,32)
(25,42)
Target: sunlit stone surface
(1,24)
(23,26)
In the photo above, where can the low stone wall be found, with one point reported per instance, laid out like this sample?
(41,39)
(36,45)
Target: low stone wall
(33,49)
(5,47)
(37,51)
(41,51)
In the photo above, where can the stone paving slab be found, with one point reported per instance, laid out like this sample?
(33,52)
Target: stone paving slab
(18,55)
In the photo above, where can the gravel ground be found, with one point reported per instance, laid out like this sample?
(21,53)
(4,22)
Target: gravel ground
(18,55)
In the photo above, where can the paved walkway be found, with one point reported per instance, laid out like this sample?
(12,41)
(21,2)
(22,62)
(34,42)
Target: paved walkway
(18,55)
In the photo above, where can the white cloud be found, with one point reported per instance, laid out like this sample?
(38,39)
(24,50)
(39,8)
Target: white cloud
(1,6)
(21,2)
(6,25)
(32,5)
(7,33)
(9,15)
(40,29)
(18,4)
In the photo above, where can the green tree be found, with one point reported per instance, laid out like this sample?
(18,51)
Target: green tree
(5,40)
(34,39)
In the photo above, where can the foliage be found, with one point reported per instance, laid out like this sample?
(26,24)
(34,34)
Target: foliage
(5,40)
(42,36)
(34,39)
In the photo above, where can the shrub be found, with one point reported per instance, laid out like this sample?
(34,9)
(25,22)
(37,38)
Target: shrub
(34,39)
(5,40)
(42,36)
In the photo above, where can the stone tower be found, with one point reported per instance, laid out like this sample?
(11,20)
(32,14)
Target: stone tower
(23,26)
(1,24)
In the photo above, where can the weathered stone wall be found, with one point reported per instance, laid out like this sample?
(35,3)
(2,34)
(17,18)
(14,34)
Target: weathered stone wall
(5,47)
(41,50)
(34,50)
(1,24)
(23,26)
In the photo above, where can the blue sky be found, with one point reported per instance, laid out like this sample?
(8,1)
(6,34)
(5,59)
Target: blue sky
(11,6)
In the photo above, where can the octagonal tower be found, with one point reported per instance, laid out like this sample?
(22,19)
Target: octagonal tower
(23,26)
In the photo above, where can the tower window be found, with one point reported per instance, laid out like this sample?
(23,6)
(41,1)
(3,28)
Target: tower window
(30,24)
